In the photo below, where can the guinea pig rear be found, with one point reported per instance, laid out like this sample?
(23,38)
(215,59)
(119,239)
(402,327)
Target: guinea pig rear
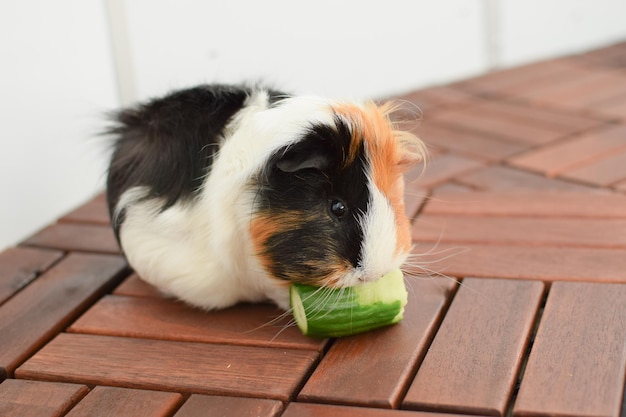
(220,194)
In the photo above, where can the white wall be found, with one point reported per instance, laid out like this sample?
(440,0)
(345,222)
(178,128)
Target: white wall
(56,78)
(65,62)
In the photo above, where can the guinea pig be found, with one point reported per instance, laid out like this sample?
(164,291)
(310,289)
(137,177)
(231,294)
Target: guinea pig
(221,194)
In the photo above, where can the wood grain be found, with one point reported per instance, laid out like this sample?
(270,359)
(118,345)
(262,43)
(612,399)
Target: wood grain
(472,365)
(112,401)
(93,211)
(599,233)
(529,203)
(76,237)
(157,318)
(19,266)
(515,123)
(577,366)
(171,366)
(325,410)
(217,406)
(49,304)
(135,286)
(374,368)
(522,262)
(38,399)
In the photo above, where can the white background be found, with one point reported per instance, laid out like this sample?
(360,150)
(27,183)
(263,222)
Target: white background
(65,63)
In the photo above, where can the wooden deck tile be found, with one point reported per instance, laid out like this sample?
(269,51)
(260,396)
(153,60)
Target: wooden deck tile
(563,156)
(503,178)
(136,287)
(472,365)
(154,318)
(529,203)
(324,410)
(19,266)
(513,80)
(433,97)
(51,302)
(111,401)
(614,107)
(445,167)
(515,123)
(38,399)
(204,405)
(523,262)
(374,368)
(477,145)
(414,197)
(577,366)
(171,366)
(606,172)
(580,92)
(93,211)
(600,233)
(76,237)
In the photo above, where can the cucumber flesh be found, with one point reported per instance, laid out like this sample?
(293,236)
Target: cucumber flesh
(328,312)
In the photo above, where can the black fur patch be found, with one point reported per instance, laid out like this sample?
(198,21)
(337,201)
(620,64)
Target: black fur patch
(168,144)
(309,249)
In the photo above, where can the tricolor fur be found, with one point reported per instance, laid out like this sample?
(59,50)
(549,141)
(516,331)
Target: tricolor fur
(220,194)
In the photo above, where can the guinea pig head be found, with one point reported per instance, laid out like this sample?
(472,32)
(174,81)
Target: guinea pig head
(329,209)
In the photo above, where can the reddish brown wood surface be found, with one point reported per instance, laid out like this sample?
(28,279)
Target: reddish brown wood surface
(373,369)
(19,266)
(41,310)
(529,203)
(165,365)
(157,318)
(110,401)
(38,399)
(135,286)
(76,237)
(205,405)
(472,364)
(324,410)
(93,211)
(577,366)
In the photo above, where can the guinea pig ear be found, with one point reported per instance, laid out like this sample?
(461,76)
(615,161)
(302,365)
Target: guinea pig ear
(412,149)
(305,155)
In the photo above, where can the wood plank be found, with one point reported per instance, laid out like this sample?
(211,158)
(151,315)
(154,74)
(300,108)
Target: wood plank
(76,237)
(529,203)
(477,145)
(599,233)
(38,399)
(503,178)
(374,368)
(473,362)
(555,159)
(171,366)
(50,303)
(205,405)
(515,123)
(445,167)
(158,318)
(19,266)
(325,410)
(577,365)
(112,401)
(522,262)
(93,211)
(605,172)
(136,287)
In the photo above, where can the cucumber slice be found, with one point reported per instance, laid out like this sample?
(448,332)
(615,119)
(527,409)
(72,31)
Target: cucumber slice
(335,312)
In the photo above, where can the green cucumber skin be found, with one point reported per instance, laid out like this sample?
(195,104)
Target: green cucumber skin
(347,316)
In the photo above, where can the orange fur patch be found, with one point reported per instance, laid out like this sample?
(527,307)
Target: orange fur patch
(390,152)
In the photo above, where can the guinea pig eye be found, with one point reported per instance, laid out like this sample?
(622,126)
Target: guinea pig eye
(338,208)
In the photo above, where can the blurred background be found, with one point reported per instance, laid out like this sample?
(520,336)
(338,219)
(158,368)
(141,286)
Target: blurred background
(64,64)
